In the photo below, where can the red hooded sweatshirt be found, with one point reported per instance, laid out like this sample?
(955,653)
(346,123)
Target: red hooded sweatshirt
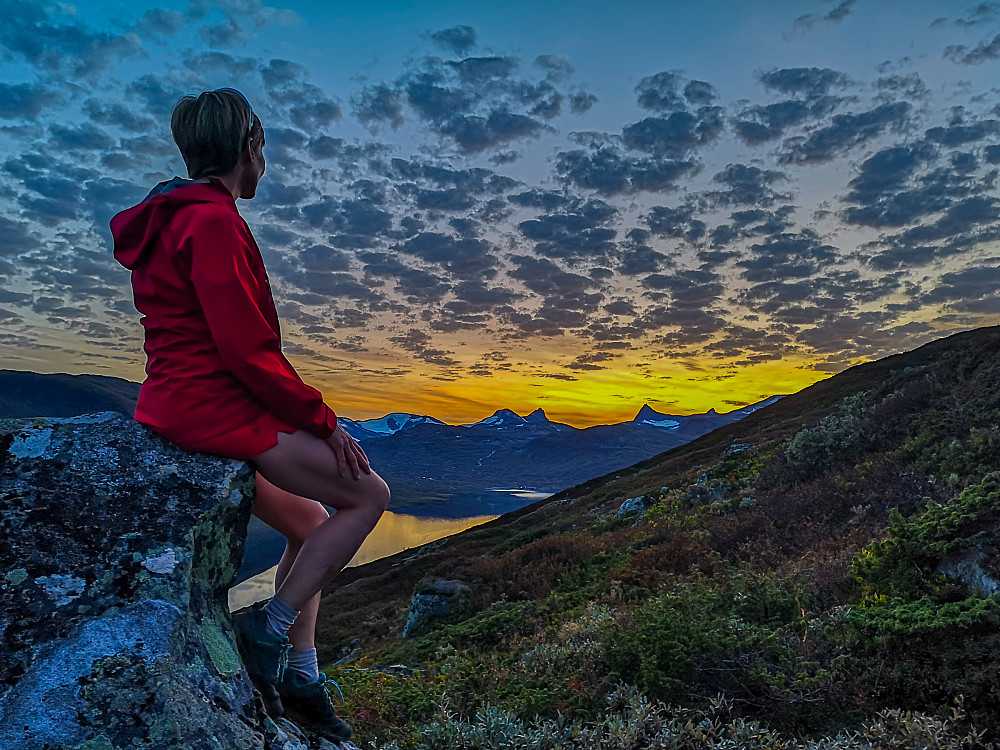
(216,380)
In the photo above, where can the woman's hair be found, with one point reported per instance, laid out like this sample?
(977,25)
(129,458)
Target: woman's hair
(210,131)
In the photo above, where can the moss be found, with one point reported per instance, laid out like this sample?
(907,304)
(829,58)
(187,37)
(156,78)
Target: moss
(18,576)
(219,647)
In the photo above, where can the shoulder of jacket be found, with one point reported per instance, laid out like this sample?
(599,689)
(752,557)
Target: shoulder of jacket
(210,218)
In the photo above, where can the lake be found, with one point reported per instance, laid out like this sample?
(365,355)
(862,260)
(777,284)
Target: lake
(396,531)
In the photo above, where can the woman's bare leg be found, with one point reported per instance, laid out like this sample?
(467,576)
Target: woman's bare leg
(304,465)
(295,518)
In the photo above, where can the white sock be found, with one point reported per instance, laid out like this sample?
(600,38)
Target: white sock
(280,616)
(304,662)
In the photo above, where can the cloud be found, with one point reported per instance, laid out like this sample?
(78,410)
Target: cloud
(580,230)
(750,345)
(754,222)
(837,14)
(464,258)
(787,255)
(215,63)
(609,171)
(958,134)
(980,14)
(474,296)
(846,131)
(677,223)
(544,199)
(379,104)
(16,238)
(747,186)
(418,343)
(458,39)
(880,188)
(419,287)
(910,86)
(25,101)
(695,325)
(474,180)
(160,22)
(964,224)
(811,88)
(562,290)
(61,48)
(857,332)
(102,112)
(810,83)
(986,50)
(663,92)
(638,257)
(676,134)
(353,223)
(477,103)
(241,19)
(690,289)
(589,361)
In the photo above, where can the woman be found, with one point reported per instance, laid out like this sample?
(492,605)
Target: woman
(217,382)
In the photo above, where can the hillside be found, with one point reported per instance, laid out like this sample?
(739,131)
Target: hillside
(31,394)
(825,558)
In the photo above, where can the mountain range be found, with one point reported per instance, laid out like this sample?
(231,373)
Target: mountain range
(423,458)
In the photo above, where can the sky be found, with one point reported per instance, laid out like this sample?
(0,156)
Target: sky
(577,206)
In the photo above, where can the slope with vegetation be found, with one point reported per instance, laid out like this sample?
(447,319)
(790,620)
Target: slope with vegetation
(778,581)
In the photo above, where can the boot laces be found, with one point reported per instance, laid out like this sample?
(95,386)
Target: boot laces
(324,681)
(283,660)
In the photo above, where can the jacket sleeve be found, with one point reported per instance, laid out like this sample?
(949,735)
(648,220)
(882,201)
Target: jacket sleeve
(228,290)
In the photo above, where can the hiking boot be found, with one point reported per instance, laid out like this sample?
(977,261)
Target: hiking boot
(265,654)
(307,703)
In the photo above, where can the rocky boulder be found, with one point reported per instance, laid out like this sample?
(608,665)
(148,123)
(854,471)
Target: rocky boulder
(433,600)
(118,550)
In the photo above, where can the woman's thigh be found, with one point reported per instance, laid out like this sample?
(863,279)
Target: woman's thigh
(303,464)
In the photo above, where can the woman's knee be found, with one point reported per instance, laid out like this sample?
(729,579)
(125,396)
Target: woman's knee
(382,497)
(373,497)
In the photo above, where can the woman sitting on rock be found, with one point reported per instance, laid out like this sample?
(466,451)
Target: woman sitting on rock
(218,383)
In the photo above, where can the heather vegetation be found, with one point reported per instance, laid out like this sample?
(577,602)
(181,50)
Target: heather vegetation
(819,575)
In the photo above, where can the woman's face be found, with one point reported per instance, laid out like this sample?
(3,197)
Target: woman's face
(255,168)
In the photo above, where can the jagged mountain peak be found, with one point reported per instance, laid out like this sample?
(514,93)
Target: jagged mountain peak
(501,418)
(648,412)
(538,415)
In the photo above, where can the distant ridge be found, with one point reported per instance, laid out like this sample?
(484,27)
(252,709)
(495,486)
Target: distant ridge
(31,394)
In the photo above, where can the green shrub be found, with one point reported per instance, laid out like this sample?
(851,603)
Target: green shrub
(632,721)
(741,634)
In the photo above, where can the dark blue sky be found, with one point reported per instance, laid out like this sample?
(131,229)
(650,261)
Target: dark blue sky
(571,205)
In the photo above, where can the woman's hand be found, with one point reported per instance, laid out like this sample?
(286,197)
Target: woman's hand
(348,453)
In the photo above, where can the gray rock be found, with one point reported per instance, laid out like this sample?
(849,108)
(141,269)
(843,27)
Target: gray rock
(433,600)
(114,629)
(737,448)
(966,566)
(633,505)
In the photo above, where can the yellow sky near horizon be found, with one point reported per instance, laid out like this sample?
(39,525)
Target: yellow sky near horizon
(678,386)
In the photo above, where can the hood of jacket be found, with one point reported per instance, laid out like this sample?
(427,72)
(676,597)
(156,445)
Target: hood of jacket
(136,230)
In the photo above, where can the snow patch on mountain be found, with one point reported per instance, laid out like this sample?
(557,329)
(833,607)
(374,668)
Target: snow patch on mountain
(393,423)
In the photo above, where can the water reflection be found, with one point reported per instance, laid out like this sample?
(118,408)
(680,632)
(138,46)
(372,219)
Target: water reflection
(399,531)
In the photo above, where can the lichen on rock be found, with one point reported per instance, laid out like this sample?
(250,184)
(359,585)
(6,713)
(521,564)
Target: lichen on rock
(114,629)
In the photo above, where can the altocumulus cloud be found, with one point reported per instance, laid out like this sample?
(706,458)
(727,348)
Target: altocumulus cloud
(679,229)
